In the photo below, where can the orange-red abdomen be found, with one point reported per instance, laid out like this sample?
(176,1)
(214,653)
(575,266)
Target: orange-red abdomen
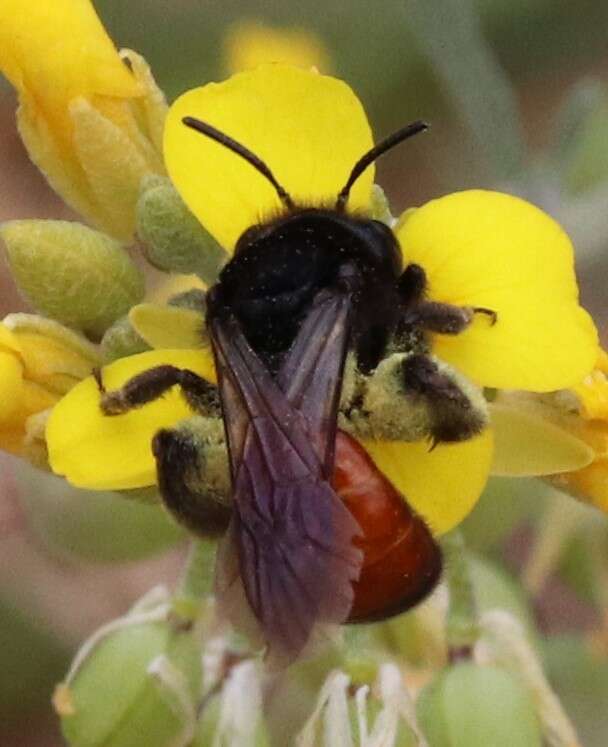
(401,560)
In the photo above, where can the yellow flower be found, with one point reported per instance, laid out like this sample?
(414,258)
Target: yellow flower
(590,424)
(570,430)
(249,44)
(89,123)
(40,361)
(478,248)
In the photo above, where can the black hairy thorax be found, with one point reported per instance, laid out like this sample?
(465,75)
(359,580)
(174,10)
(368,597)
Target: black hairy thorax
(279,267)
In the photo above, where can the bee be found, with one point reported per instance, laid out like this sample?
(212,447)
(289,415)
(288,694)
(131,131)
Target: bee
(312,532)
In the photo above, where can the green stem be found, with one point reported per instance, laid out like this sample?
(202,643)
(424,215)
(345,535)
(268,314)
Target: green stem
(461,624)
(196,583)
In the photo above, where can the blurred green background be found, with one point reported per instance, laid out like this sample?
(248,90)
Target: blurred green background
(517,95)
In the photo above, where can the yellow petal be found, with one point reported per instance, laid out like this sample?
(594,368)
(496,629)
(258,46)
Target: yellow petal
(113,453)
(8,340)
(11,387)
(442,485)
(48,361)
(499,252)
(589,484)
(309,129)
(37,398)
(526,444)
(168,326)
(60,49)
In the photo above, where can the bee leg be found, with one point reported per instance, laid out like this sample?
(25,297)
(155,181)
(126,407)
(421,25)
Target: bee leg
(411,286)
(432,316)
(191,491)
(444,318)
(453,413)
(150,385)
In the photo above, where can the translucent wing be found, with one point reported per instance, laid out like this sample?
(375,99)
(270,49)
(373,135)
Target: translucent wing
(293,535)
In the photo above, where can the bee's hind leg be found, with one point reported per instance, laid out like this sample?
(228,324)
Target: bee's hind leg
(149,385)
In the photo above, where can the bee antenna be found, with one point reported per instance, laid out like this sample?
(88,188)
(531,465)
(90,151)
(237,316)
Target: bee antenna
(397,137)
(243,152)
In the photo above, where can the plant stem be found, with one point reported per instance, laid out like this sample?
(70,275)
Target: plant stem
(461,624)
(196,583)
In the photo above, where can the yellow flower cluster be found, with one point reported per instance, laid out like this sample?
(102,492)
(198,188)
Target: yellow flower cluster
(40,361)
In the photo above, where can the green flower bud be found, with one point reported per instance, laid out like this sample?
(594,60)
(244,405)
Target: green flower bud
(469,705)
(136,682)
(194,300)
(174,240)
(72,273)
(121,340)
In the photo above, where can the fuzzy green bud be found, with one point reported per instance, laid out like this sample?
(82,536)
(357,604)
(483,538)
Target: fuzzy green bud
(471,705)
(135,682)
(174,240)
(121,340)
(72,273)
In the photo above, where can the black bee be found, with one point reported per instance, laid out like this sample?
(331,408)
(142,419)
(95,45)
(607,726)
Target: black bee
(301,292)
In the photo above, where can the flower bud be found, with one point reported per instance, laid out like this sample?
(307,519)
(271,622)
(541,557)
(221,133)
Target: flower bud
(135,682)
(121,340)
(174,240)
(469,705)
(72,273)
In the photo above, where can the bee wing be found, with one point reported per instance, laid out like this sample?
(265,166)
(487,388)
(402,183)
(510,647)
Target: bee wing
(311,373)
(293,535)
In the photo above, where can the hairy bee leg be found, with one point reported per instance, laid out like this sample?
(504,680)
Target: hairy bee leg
(433,316)
(180,466)
(444,318)
(412,284)
(453,415)
(150,385)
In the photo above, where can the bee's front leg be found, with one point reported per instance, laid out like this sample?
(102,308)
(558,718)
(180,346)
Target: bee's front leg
(149,385)
(433,316)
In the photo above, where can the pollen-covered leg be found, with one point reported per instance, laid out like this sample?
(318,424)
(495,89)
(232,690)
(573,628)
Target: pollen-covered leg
(193,474)
(412,397)
(150,385)
(453,413)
